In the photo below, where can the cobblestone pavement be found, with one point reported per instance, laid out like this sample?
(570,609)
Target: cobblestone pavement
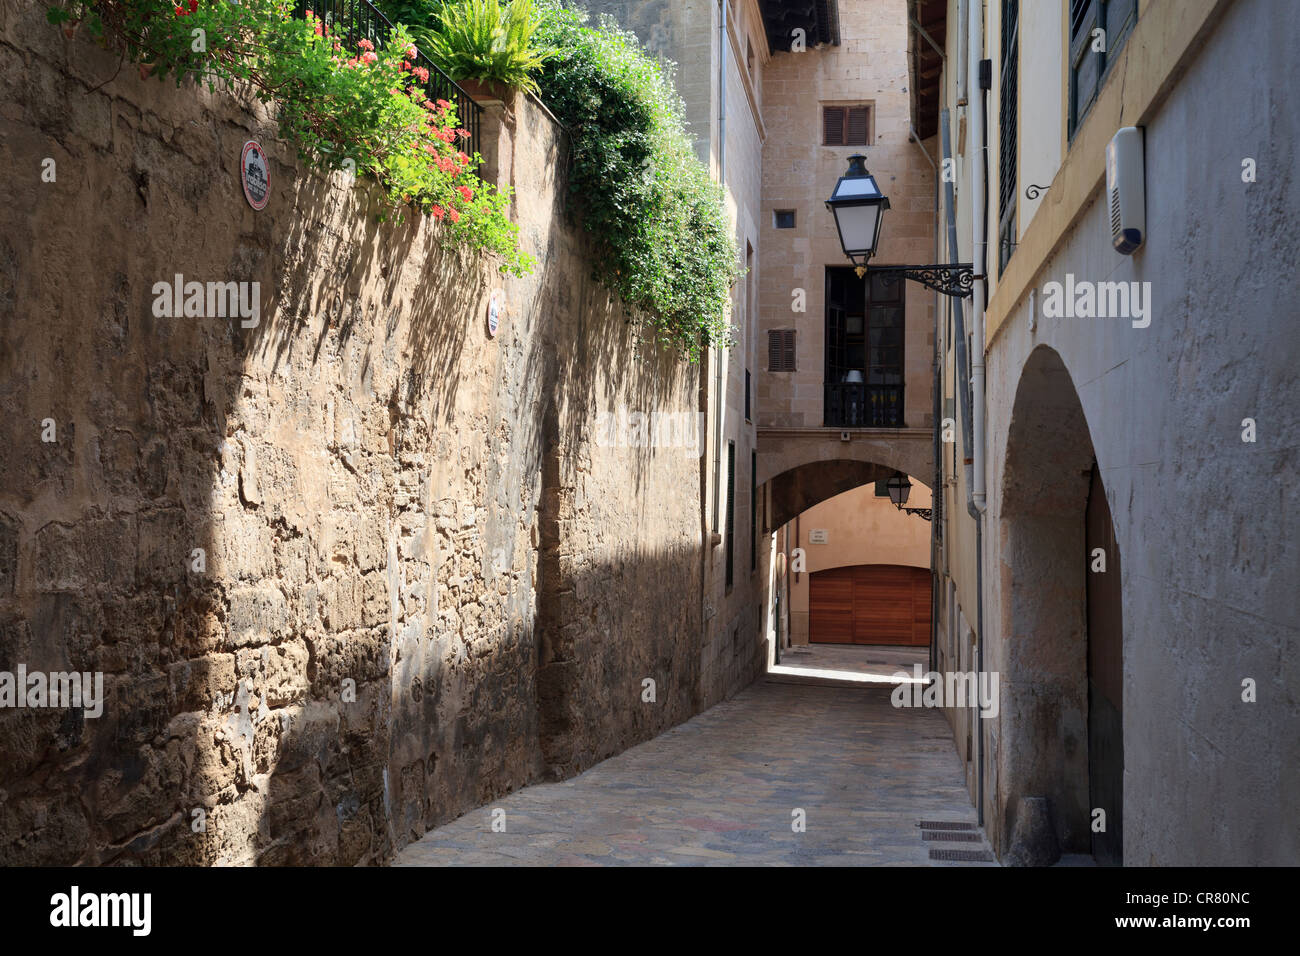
(722,788)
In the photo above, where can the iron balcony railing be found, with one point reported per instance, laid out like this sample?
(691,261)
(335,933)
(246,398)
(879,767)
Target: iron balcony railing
(351,21)
(853,405)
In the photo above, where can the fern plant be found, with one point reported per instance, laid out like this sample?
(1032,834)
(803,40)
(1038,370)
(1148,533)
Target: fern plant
(486,40)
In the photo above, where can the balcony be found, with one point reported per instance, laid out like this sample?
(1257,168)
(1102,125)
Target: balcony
(858,405)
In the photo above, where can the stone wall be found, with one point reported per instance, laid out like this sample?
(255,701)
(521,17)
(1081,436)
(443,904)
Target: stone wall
(384,496)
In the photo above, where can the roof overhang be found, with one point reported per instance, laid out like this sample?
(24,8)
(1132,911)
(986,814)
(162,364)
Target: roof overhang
(819,20)
(927,28)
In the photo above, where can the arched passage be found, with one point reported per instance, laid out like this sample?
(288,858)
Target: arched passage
(1049,534)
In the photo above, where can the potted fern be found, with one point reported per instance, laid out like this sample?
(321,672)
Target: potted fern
(487,46)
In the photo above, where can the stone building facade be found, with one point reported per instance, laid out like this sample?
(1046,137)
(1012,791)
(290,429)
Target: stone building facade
(719,55)
(818,439)
(1157,684)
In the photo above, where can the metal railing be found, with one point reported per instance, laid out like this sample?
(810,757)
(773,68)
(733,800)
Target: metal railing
(853,405)
(351,21)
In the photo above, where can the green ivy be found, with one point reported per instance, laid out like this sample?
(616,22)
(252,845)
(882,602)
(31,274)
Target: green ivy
(663,238)
(361,109)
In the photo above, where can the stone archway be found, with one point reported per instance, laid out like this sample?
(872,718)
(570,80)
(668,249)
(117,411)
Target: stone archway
(1043,754)
(909,450)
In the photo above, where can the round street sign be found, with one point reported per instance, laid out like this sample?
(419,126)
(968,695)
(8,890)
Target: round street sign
(255,174)
(494,311)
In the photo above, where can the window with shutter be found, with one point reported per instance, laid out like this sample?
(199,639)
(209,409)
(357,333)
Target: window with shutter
(846,125)
(780,350)
(1009,98)
(730,531)
(1089,67)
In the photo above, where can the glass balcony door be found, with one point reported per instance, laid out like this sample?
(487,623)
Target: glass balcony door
(864,351)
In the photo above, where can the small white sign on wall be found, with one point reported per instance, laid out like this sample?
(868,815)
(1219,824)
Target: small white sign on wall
(817,536)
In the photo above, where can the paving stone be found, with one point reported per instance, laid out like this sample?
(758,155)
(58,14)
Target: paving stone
(720,789)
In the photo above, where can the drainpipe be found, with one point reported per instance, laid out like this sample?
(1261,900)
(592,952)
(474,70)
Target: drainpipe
(722,95)
(936,502)
(722,181)
(979,238)
(960,357)
(963,389)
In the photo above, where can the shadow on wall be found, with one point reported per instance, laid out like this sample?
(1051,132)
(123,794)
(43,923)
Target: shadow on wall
(307,556)
(1041,745)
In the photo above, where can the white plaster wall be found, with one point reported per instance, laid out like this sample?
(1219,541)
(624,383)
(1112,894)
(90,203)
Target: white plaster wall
(1205,522)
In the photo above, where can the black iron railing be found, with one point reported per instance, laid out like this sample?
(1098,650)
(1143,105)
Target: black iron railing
(351,21)
(851,405)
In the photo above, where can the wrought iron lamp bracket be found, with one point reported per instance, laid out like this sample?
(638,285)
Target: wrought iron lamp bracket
(955,280)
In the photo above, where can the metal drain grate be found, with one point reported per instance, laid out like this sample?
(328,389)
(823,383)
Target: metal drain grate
(951,836)
(945,825)
(961,856)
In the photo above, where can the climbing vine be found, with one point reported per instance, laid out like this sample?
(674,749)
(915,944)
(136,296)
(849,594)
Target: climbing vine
(663,238)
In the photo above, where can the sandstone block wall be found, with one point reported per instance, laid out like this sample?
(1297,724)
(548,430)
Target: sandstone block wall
(423,581)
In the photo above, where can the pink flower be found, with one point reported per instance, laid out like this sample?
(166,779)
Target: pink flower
(368,58)
(365,45)
(453,215)
(466,193)
(422,74)
(463,133)
(410,52)
(352,62)
(438,212)
(462,159)
(444,105)
(405,65)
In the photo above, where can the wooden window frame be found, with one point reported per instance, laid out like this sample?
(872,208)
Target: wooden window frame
(844,110)
(782,343)
(1084,16)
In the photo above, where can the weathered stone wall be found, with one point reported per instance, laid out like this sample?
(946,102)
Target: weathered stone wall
(688,34)
(383,493)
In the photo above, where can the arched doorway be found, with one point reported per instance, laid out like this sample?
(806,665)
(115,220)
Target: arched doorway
(1060,757)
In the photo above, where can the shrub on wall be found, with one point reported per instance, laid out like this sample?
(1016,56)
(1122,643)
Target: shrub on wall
(661,230)
(359,109)
(485,40)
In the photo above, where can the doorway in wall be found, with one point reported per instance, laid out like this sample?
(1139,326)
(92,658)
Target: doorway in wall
(870,604)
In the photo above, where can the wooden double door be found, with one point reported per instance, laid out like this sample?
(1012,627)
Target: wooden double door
(870,604)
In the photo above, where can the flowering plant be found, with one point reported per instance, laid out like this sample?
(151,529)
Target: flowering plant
(362,109)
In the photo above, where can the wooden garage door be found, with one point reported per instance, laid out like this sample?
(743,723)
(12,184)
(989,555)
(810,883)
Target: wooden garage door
(870,604)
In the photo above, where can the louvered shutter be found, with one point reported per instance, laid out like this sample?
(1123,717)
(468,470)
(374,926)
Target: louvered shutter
(857,126)
(833,125)
(780,350)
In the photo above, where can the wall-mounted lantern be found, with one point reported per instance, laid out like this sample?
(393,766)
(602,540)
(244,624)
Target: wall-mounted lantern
(899,487)
(859,208)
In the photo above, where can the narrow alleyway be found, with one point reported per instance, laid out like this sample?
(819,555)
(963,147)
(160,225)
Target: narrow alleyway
(723,787)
